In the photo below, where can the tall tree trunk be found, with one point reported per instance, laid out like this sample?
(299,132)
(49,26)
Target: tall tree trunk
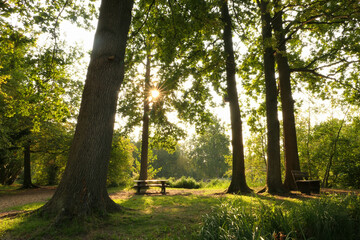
(273,180)
(238,180)
(27,183)
(287,102)
(145,127)
(82,190)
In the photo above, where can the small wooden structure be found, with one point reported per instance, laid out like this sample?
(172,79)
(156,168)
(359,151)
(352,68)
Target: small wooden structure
(303,184)
(145,184)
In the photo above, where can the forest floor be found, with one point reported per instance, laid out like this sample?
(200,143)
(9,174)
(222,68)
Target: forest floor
(16,197)
(178,215)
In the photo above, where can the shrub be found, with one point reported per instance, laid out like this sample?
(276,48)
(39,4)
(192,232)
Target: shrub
(120,163)
(185,182)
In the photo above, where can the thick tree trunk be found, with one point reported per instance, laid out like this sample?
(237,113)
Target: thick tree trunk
(273,180)
(145,127)
(238,180)
(82,190)
(287,102)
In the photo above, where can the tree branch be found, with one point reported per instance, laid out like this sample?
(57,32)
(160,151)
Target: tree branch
(146,18)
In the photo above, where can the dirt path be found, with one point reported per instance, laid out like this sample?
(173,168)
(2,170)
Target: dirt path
(13,198)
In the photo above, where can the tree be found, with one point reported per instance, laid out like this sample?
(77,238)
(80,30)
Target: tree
(30,97)
(145,128)
(238,180)
(256,147)
(82,190)
(208,152)
(49,152)
(334,147)
(274,183)
(175,164)
(34,77)
(287,101)
(121,161)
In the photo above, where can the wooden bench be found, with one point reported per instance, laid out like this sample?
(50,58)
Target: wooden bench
(303,184)
(145,184)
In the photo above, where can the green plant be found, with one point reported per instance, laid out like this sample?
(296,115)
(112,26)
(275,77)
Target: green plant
(217,183)
(120,163)
(326,218)
(185,182)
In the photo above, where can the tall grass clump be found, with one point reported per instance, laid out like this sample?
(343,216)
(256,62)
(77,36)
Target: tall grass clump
(241,220)
(326,218)
(185,182)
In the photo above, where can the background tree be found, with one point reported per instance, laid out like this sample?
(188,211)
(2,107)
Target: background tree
(121,161)
(175,164)
(50,151)
(32,94)
(208,151)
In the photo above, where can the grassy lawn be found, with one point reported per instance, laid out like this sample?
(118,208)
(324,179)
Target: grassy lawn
(179,216)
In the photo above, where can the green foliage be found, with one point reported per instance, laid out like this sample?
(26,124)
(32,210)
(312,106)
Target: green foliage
(255,157)
(217,183)
(50,151)
(37,88)
(207,152)
(319,144)
(185,182)
(152,170)
(317,219)
(121,161)
(173,164)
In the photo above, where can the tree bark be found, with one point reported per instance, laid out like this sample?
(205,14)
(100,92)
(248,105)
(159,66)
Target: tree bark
(82,190)
(287,102)
(238,180)
(145,127)
(273,180)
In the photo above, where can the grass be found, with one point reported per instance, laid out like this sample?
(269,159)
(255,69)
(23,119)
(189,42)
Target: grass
(330,218)
(199,216)
(150,217)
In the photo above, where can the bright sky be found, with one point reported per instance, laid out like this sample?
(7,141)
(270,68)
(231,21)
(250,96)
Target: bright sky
(85,38)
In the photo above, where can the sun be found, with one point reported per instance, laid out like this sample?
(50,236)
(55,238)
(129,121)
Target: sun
(154,93)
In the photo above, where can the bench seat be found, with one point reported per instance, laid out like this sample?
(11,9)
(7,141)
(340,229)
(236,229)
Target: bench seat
(145,184)
(304,185)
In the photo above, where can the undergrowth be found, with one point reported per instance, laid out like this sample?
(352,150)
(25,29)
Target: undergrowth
(326,218)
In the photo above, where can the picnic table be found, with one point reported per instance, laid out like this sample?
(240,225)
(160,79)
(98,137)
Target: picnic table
(145,184)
